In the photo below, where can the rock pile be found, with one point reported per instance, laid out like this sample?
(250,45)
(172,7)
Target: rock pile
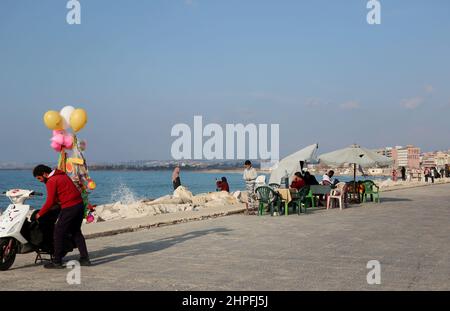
(181,200)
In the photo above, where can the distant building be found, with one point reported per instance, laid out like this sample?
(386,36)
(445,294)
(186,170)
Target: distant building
(442,158)
(428,159)
(408,156)
(413,157)
(375,171)
(387,152)
(436,159)
(402,157)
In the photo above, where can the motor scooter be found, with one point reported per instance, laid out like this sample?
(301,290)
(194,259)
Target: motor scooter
(21,233)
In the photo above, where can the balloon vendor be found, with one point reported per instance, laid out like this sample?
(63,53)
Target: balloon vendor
(75,165)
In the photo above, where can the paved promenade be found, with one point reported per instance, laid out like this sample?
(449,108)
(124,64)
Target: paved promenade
(408,233)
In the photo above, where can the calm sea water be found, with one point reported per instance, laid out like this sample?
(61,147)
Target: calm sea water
(126,186)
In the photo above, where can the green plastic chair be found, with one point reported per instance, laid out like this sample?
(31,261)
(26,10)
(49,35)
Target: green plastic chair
(274,185)
(300,199)
(267,197)
(311,198)
(370,188)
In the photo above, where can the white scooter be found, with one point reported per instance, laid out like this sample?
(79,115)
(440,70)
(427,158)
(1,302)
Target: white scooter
(21,233)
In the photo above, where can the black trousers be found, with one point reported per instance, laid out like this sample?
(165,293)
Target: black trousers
(69,222)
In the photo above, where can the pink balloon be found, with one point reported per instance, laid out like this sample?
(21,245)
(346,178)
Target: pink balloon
(57,147)
(59,132)
(59,139)
(68,141)
(90,218)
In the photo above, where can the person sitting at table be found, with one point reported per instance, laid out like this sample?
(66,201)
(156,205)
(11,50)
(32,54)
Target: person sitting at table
(310,179)
(298,182)
(326,179)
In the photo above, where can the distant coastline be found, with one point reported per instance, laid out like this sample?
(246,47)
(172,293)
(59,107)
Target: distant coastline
(194,170)
(152,165)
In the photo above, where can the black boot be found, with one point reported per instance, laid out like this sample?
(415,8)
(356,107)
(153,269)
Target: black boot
(54,265)
(84,261)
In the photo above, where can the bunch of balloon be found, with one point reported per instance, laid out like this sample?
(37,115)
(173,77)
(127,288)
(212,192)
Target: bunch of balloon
(62,141)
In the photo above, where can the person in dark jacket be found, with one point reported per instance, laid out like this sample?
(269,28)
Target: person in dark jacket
(61,190)
(403,172)
(310,179)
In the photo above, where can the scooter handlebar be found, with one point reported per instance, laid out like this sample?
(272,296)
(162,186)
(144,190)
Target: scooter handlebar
(32,194)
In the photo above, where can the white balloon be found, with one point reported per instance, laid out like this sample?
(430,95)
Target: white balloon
(65,114)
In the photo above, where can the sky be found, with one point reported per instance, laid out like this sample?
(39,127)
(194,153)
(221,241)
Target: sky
(316,67)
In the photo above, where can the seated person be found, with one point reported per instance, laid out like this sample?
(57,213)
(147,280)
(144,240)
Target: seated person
(222,185)
(310,179)
(298,182)
(326,179)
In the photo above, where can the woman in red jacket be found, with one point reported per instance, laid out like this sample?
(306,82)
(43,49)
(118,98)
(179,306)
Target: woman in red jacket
(222,185)
(61,190)
(298,182)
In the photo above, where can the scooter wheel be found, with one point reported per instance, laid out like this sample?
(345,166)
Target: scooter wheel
(8,251)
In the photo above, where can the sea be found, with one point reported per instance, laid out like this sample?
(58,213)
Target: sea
(127,186)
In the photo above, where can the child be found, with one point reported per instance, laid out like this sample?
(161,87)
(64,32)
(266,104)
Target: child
(250,175)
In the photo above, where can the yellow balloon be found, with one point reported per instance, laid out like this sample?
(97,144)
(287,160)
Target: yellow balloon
(78,119)
(53,120)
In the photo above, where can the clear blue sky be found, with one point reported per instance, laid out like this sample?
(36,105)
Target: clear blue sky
(138,67)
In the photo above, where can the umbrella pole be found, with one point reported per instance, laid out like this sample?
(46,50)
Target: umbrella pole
(354,181)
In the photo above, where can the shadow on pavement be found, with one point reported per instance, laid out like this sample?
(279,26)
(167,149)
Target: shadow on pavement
(32,265)
(383,200)
(147,247)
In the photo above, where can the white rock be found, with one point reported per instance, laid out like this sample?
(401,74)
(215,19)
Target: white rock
(244,197)
(212,196)
(199,199)
(237,195)
(181,200)
(184,194)
(167,199)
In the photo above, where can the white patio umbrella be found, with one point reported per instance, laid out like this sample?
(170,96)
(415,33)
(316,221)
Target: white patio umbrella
(355,155)
(291,164)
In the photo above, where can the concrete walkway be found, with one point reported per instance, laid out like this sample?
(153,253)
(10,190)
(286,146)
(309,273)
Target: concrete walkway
(135,224)
(408,234)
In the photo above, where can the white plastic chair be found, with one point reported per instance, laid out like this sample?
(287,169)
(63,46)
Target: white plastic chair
(339,194)
(260,181)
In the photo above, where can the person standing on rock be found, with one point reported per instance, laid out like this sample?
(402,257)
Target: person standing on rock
(250,175)
(176,181)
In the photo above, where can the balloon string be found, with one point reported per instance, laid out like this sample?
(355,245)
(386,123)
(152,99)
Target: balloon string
(62,160)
